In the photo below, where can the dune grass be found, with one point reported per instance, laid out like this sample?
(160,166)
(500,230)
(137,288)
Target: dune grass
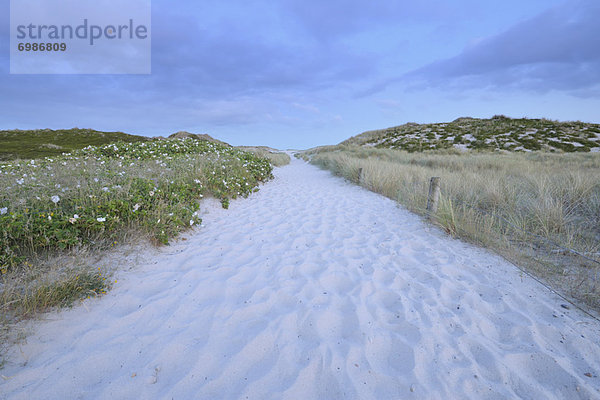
(89,200)
(512,203)
(277,158)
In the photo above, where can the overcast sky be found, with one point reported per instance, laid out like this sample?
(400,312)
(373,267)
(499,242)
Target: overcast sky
(301,73)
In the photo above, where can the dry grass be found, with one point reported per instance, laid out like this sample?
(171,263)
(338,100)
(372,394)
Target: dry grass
(509,202)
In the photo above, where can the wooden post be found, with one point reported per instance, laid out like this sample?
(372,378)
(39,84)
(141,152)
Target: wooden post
(434,196)
(360,174)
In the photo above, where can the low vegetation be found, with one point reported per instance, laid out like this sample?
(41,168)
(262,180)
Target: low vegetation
(276,157)
(198,136)
(497,133)
(97,196)
(516,203)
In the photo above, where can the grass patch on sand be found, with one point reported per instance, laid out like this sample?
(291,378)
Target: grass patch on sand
(95,197)
(509,202)
(61,291)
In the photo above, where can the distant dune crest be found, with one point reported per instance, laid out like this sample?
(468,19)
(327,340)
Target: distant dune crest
(39,143)
(199,136)
(499,133)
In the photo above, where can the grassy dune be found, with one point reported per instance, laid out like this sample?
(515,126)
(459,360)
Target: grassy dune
(496,133)
(492,198)
(31,144)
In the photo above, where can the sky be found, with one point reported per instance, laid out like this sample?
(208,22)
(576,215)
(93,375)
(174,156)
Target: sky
(303,73)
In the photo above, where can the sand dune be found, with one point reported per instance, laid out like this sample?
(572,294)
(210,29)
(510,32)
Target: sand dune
(313,289)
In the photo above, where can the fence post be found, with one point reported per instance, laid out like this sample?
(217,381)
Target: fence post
(360,175)
(434,196)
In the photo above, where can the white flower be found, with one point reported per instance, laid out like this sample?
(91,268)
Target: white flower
(49,218)
(100,219)
(75,216)
(136,207)
(191,222)
(55,199)
(3,210)
(20,181)
(151,193)
(105,189)
(95,179)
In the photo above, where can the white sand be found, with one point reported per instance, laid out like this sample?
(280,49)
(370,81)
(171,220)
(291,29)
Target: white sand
(313,289)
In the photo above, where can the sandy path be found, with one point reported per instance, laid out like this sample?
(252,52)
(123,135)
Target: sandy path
(313,289)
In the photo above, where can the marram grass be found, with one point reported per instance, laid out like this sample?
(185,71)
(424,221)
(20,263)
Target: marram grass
(508,202)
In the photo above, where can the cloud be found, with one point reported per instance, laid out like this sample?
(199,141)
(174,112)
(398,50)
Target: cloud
(332,19)
(556,50)
(241,56)
(306,108)
(4,43)
(234,112)
(214,49)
